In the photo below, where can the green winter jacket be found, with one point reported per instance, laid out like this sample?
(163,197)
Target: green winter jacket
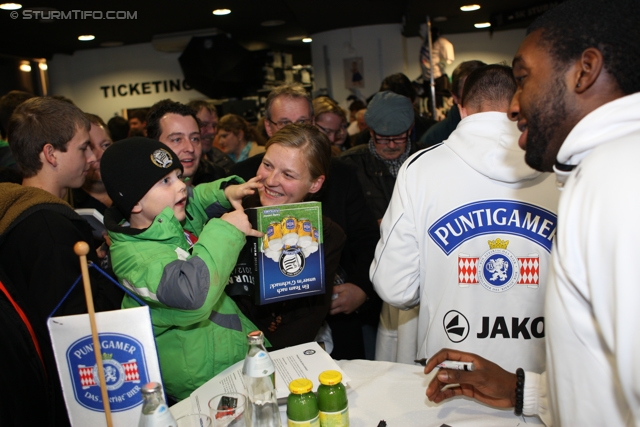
(199,330)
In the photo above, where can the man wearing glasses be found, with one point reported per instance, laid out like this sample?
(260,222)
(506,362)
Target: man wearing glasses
(285,105)
(390,120)
(331,119)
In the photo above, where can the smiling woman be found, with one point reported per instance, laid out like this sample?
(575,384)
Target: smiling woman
(237,138)
(293,170)
(295,165)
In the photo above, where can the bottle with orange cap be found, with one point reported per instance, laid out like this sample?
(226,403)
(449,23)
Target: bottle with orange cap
(332,400)
(302,405)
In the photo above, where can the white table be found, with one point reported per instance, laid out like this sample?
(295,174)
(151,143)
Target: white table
(395,392)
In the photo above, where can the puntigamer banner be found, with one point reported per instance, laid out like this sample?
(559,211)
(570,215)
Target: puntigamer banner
(129,358)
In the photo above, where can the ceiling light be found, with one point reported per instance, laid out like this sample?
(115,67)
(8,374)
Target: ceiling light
(43,66)
(86,38)
(220,12)
(272,23)
(296,38)
(482,25)
(10,6)
(469,7)
(24,66)
(307,40)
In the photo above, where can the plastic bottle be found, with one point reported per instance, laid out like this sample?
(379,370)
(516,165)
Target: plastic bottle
(332,400)
(259,375)
(155,412)
(302,406)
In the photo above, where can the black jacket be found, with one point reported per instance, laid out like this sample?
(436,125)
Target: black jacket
(441,131)
(374,176)
(207,172)
(219,159)
(37,235)
(343,201)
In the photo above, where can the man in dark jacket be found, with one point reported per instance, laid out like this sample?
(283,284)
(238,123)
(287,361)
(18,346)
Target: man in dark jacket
(50,141)
(390,120)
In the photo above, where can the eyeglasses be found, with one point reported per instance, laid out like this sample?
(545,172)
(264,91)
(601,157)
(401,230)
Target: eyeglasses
(329,132)
(280,125)
(397,140)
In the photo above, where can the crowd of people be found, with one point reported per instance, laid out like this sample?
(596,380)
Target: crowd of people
(441,241)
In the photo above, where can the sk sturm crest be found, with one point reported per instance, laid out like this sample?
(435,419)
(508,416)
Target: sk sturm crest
(162,158)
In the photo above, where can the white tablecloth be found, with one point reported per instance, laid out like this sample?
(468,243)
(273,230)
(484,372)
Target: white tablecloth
(395,392)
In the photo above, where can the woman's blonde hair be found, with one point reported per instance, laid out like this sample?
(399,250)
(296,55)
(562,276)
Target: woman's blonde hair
(315,145)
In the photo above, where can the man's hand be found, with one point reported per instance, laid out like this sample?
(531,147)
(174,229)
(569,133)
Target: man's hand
(235,193)
(350,297)
(488,383)
(239,220)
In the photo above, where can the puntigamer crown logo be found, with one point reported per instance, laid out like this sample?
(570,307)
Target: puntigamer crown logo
(124,371)
(498,244)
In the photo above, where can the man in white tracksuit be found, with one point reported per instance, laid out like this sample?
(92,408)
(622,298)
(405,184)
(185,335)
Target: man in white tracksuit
(578,106)
(468,234)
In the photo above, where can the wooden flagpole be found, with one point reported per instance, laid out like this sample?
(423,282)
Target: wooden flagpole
(82,249)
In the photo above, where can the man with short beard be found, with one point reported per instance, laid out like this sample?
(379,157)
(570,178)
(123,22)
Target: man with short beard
(577,105)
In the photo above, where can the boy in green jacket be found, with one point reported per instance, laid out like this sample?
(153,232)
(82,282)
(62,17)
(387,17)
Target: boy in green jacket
(175,248)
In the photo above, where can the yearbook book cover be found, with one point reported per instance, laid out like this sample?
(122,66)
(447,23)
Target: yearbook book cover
(288,262)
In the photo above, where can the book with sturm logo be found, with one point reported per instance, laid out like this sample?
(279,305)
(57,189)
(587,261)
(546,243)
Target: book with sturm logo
(288,262)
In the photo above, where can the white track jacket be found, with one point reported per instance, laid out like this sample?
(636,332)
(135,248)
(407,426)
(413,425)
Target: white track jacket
(467,236)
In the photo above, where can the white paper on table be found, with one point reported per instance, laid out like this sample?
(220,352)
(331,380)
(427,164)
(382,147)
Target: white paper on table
(301,361)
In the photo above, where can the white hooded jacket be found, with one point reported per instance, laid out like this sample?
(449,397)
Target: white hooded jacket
(593,300)
(467,236)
